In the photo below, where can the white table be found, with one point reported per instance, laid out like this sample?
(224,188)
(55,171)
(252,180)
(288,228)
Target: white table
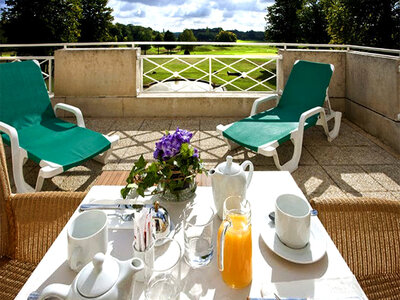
(329,278)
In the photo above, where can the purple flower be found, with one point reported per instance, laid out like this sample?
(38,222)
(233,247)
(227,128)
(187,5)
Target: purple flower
(196,153)
(170,144)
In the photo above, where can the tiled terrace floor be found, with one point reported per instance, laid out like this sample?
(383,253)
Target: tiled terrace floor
(353,165)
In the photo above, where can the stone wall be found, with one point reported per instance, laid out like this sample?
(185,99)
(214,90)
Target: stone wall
(95,72)
(104,83)
(364,86)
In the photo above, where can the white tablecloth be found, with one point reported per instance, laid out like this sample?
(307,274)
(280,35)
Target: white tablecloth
(270,272)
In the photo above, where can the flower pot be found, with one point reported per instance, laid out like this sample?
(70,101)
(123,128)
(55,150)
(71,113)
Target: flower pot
(181,195)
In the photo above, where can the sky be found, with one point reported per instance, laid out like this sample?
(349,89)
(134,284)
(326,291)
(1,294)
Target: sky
(176,15)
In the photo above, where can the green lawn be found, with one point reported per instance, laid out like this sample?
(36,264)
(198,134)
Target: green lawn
(192,73)
(240,49)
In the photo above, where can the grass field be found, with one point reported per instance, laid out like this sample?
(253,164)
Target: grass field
(239,67)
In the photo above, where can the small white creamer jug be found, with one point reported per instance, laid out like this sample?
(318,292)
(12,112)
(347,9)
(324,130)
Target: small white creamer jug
(229,179)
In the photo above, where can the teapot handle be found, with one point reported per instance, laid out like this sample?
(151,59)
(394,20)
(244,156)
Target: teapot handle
(249,164)
(57,290)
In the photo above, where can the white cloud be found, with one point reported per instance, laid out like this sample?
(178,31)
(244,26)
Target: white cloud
(176,15)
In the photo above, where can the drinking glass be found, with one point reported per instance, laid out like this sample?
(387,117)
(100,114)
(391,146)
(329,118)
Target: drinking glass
(163,278)
(198,235)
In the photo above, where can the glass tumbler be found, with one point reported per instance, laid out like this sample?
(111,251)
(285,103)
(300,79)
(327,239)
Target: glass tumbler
(163,278)
(198,234)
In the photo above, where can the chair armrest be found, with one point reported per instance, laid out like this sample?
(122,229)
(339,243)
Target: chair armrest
(258,101)
(11,132)
(37,219)
(13,135)
(76,111)
(313,111)
(365,230)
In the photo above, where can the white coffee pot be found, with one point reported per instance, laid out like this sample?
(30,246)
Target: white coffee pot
(105,278)
(229,179)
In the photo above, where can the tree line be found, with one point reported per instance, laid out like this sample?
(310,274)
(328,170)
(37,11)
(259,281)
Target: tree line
(373,23)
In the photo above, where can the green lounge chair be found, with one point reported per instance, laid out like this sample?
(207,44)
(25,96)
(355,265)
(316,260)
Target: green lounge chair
(299,107)
(29,125)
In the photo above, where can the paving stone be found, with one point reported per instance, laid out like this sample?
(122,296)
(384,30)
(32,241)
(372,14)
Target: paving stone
(367,155)
(103,125)
(349,137)
(316,183)
(330,155)
(387,175)
(353,179)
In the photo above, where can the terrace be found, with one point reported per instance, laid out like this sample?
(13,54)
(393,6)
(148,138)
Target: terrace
(139,97)
(363,161)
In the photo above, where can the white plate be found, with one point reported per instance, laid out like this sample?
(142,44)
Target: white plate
(314,251)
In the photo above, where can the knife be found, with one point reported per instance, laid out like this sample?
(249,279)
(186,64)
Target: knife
(137,207)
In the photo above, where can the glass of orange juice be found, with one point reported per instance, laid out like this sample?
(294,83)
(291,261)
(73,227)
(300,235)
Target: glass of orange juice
(234,243)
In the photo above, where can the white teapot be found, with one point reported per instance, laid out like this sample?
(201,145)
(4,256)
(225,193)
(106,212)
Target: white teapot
(229,179)
(105,278)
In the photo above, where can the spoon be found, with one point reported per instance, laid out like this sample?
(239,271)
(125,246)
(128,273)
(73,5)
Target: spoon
(271,215)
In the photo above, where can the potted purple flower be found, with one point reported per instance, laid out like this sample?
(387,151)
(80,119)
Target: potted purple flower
(173,172)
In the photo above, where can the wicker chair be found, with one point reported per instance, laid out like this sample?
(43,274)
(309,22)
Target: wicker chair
(29,223)
(367,234)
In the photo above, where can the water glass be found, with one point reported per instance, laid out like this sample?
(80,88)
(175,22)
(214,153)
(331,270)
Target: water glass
(198,234)
(163,278)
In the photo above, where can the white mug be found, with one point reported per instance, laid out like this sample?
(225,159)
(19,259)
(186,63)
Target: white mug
(87,235)
(292,220)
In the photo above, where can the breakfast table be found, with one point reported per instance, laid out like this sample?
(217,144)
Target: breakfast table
(327,278)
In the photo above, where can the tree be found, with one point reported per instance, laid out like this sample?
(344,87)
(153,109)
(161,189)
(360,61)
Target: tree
(282,21)
(140,33)
(96,21)
(39,21)
(363,22)
(158,38)
(312,23)
(187,36)
(225,36)
(169,37)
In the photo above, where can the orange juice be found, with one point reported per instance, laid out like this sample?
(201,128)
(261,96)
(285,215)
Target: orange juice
(237,271)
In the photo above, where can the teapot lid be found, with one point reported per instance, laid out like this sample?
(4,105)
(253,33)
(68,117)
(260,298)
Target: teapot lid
(229,167)
(97,277)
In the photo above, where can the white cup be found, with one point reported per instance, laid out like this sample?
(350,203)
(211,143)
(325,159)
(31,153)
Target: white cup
(292,220)
(87,235)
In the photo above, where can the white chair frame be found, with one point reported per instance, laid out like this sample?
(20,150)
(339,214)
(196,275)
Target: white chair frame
(296,136)
(48,169)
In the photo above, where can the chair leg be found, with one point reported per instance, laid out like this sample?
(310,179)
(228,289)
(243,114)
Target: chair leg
(103,157)
(291,165)
(47,170)
(322,121)
(18,161)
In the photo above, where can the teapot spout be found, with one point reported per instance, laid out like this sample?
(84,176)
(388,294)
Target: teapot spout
(213,173)
(57,290)
(136,265)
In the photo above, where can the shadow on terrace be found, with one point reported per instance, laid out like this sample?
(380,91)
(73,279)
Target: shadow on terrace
(354,164)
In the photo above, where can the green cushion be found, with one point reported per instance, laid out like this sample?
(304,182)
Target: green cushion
(26,106)
(60,142)
(305,89)
(24,100)
(272,125)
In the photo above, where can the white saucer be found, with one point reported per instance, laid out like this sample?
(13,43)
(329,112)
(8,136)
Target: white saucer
(314,251)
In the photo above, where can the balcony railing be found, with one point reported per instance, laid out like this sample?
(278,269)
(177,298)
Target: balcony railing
(208,73)
(195,73)
(46,64)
